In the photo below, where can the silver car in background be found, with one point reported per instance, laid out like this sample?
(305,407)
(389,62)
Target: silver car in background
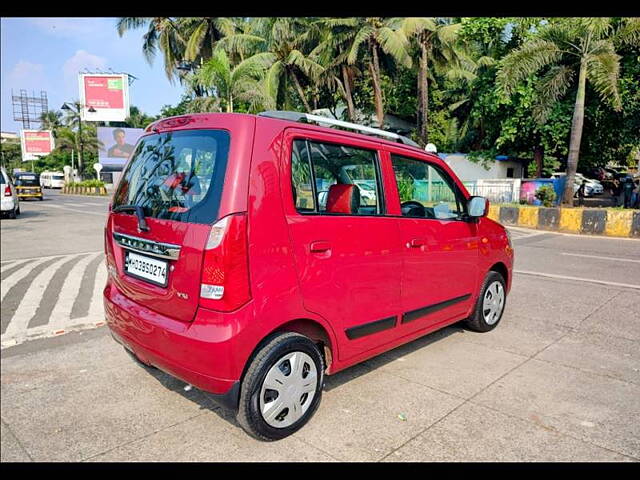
(9,202)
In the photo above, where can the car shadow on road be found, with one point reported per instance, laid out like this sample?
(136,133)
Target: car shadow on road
(332,382)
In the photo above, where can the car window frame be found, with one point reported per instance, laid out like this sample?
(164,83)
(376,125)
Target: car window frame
(449,179)
(291,137)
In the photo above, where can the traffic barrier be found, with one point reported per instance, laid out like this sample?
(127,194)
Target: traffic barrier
(75,190)
(592,221)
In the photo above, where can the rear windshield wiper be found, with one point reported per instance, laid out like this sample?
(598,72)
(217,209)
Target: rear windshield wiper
(142,223)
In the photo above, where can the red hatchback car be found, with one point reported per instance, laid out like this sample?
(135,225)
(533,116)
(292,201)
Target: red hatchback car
(251,255)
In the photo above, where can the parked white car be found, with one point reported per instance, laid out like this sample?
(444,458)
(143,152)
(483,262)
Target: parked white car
(52,179)
(9,202)
(593,187)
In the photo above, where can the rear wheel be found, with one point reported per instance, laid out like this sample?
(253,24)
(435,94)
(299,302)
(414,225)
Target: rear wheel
(12,214)
(490,304)
(282,387)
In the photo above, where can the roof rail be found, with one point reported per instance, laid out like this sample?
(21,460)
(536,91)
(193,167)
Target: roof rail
(309,118)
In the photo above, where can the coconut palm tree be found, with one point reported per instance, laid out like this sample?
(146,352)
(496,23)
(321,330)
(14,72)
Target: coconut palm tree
(559,50)
(436,41)
(51,120)
(287,42)
(229,82)
(164,33)
(371,38)
(203,34)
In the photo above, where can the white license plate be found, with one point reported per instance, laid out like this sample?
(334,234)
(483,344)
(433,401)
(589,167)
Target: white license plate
(146,268)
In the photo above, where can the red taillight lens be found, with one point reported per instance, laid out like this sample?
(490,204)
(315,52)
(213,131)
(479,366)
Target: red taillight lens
(225,267)
(7,191)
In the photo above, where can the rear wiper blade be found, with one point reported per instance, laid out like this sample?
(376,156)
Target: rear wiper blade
(142,223)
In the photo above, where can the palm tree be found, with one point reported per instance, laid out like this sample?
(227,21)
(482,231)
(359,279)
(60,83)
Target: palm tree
(164,33)
(373,37)
(204,33)
(231,82)
(436,40)
(137,118)
(286,43)
(51,120)
(559,49)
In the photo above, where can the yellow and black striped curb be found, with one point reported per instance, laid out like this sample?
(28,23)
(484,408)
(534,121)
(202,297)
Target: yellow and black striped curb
(85,190)
(593,221)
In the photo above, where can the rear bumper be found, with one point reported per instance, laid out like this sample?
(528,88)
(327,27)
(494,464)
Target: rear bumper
(203,353)
(8,204)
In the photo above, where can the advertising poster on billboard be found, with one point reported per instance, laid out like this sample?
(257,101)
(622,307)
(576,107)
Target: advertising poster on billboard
(36,143)
(116,144)
(104,97)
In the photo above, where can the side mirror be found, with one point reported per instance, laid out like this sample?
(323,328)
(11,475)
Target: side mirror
(478,207)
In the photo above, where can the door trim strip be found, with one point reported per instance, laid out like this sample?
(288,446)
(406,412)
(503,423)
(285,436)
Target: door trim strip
(370,328)
(421,312)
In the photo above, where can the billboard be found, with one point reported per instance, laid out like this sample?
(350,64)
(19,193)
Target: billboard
(116,144)
(36,143)
(107,94)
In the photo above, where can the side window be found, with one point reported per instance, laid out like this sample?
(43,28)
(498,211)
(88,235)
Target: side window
(331,178)
(426,191)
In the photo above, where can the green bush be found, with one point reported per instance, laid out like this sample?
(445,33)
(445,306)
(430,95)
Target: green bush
(87,183)
(547,195)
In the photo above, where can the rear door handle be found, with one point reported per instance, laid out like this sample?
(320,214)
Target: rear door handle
(319,247)
(416,242)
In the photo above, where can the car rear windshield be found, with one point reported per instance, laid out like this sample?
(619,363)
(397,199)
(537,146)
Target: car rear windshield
(176,175)
(27,181)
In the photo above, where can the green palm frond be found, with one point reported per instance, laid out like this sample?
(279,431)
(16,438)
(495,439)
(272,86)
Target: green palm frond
(414,25)
(395,44)
(524,61)
(629,32)
(130,23)
(310,68)
(603,71)
(552,86)
(363,35)
(448,34)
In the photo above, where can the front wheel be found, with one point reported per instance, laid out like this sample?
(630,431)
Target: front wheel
(282,387)
(490,304)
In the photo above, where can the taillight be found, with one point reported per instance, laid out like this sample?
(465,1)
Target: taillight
(224,283)
(7,191)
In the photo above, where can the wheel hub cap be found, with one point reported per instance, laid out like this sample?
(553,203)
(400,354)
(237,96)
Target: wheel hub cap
(493,303)
(288,389)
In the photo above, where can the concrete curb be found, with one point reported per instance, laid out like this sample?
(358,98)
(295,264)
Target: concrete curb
(592,221)
(99,191)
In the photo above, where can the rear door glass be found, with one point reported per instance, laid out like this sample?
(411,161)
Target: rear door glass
(177,175)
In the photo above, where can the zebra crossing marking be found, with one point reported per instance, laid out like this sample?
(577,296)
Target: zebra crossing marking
(51,284)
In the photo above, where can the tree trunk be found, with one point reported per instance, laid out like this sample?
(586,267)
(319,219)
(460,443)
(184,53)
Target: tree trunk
(347,88)
(374,67)
(576,135)
(300,91)
(423,92)
(230,104)
(538,157)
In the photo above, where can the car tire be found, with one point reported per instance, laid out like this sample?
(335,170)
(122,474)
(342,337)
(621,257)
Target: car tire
(12,214)
(18,211)
(293,361)
(490,304)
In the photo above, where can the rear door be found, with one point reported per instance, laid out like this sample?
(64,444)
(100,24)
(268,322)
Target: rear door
(348,262)
(176,177)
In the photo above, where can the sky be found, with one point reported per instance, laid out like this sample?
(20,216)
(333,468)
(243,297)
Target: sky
(47,54)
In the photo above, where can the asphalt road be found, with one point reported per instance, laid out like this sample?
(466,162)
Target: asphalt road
(558,380)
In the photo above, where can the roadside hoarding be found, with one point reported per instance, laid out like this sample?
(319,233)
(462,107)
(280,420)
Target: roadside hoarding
(107,94)
(36,143)
(116,144)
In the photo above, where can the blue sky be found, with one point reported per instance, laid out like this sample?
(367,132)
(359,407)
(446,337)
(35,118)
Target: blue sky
(47,53)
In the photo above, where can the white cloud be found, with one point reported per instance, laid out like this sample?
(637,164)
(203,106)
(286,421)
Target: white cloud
(27,75)
(78,63)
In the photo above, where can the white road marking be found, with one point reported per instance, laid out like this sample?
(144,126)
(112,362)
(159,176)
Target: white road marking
(31,300)
(51,256)
(6,285)
(61,312)
(79,211)
(579,279)
(579,235)
(96,310)
(617,259)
